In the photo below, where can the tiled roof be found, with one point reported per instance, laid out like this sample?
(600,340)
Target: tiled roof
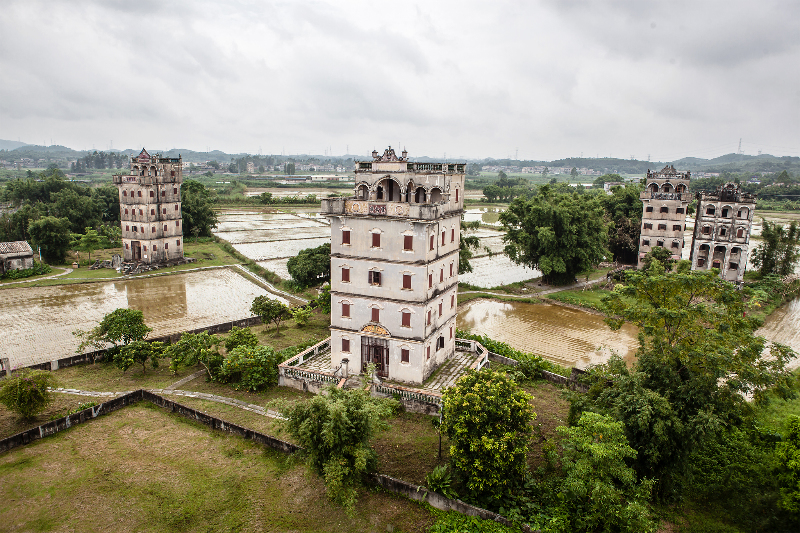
(16,247)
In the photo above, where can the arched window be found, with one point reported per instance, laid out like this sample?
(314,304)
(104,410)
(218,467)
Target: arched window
(740,233)
(419,196)
(667,187)
(710,210)
(436,195)
(653,187)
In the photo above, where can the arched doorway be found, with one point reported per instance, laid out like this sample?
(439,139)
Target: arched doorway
(420,197)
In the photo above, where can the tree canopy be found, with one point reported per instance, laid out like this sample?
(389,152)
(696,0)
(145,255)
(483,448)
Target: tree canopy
(311,266)
(121,325)
(778,253)
(559,234)
(196,201)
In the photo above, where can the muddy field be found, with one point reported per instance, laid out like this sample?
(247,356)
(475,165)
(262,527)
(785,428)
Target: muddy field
(37,322)
(562,335)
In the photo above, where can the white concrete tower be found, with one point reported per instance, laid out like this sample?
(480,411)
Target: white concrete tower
(665,200)
(394,266)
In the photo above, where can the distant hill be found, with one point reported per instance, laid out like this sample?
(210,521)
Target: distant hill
(10,145)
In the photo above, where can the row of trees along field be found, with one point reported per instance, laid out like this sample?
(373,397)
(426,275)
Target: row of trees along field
(59,215)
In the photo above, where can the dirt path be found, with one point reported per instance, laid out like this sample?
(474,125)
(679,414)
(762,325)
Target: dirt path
(578,285)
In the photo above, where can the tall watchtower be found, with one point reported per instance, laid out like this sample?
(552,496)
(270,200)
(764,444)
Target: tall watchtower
(150,209)
(722,231)
(394,266)
(665,199)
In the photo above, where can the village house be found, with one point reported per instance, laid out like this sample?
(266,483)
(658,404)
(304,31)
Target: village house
(394,267)
(16,255)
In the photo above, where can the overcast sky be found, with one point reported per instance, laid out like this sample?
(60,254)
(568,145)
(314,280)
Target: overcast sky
(541,79)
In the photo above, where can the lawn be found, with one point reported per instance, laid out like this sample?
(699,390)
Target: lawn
(143,469)
(590,298)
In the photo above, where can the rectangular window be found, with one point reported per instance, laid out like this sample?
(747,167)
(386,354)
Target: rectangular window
(648,226)
(453,235)
(374,277)
(451,332)
(345,345)
(659,243)
(406,281)
(706,230)
(441,275)
(144,248)
(178,242)
(345,236)
(440,343)
(127,228)
(701,262)
(140,212)
(166,246)
(177,223)
(135,229)
(664,209)
(163,194)
(126,211)
(676,227)
(431,242)
(456,195)
(155,248)
(679,210)
(724,213)
(346,310)
(452,301)
(451,270)
(649,209)
(440,309)
(139,194)
(429,317)
(645,242)
(404,355)
(153,229)
(430,281)
(376,240)
(733,266)
(174,190)
(152,195)
(443,234)
(176,207)
(376,314)
(346,275)
(165,227)
(406,319)
(662,226)
(152,211)
(722,232)
(674,244)
(124,193)
(164,211)
(429,352)
(408,242)
(126,245)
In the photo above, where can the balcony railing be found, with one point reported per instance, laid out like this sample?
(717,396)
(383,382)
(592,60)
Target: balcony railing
(682,196)
(352,206)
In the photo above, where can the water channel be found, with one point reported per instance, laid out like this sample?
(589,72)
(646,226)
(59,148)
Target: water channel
(37,322)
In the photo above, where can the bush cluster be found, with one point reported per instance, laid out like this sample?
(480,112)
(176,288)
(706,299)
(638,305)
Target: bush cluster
(38,269)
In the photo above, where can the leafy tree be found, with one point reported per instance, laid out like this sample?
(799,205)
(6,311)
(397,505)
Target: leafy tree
(487,418)
(139,352)
(311,266)
(600,182)
(193,349)
(121,325)
(778,253)
(473,169)
(90,241)
(788,454)
(26,392)
(335,430)
(111,235)
(323,300)
(240,337)
(599,491)
(270,310)
(251,368)
(301,315)
(466,245)
(698,361)
(545,172)
(52,235)
(78,208)
(288,169)
(660,254)
(624,208)
(492,192)
(265,198)
(559,234)
(574,173)
(196,208)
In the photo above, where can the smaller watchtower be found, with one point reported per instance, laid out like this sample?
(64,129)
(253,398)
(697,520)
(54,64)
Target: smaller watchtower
(150,209)
(664,200)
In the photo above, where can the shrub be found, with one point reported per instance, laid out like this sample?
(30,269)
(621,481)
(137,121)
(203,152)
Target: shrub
(250,368)
(193,349)
(301,315)
(139,352)
(38,269)
(335,430)
(439,480)
(240,337)
(270,310)
(26,392)
(487,418)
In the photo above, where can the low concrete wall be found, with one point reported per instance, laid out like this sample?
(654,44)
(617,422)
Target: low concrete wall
(552,377)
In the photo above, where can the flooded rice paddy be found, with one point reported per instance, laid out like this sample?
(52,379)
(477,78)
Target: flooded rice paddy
(37,322)
(569,337)
(783,326)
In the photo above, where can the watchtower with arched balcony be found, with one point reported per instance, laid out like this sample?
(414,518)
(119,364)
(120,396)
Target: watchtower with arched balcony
(722,226)
(394,266)
(665,199)
(150,209)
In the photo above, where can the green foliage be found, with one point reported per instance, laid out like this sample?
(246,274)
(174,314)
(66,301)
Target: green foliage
(52,235)
(252,368)
(660,254)
(196,202)
(193,349)
(26,392)
(301,315)
(624,208)
(559,234)
(138,352)
(439,480)
(335,430)
(125,325)
(311,266)
(90,241)
(599,491)
(778,253)
(455,522)
(788,455)
(487,418)
(240,337)
(38,269)
(531,365)
(323,300)
(270,310)
(466,245)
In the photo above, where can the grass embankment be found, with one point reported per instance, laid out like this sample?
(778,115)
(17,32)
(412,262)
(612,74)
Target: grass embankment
(590,298)
(142,469)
